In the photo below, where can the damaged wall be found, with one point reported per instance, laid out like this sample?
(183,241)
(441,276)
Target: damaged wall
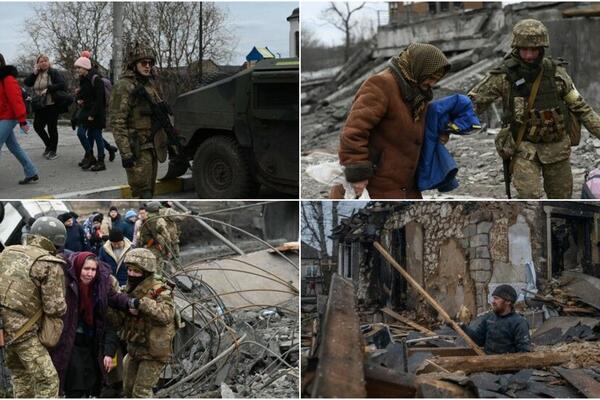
(457,249)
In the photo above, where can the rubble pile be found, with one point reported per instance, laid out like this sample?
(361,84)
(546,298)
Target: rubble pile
(327,98)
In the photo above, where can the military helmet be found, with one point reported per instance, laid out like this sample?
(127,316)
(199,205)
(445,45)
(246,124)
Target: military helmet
(50,228)
(140,51)
(530,33)
(153,206)
(141,258)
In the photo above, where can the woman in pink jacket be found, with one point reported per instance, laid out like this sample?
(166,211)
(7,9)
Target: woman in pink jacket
(13,111)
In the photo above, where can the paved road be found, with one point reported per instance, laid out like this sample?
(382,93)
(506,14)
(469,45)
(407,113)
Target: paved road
(61,175)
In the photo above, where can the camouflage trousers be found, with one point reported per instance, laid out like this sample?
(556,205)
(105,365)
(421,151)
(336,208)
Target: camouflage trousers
(32,371)
(558,178)
(142,177)
(140,376)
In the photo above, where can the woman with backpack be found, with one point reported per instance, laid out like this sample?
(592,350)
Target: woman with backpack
(12,111)
(50,99)
(91,118)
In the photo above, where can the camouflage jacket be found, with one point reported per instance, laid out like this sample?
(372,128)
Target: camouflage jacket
(149,334)
(22,296)
(155,235)
(496,85)
(130,115)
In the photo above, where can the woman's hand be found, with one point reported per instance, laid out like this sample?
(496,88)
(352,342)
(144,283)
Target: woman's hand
(108,363)
(444,137)
(90,118)
(80,102)
(359,187)
(44,91)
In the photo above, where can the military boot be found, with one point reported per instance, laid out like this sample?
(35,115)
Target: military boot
(99,166)
(112,151)
(90,161)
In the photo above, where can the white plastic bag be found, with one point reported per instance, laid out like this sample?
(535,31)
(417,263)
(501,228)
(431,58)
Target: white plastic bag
(332,173)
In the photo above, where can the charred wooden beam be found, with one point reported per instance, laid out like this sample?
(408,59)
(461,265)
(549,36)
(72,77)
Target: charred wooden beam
(497,362)
(407,321)
(387,383)
(340,371)
(443,351)
(581,381)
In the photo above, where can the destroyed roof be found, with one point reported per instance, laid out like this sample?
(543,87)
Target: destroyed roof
(365,223)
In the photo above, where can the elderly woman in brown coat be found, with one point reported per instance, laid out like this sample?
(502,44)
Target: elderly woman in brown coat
(382,137)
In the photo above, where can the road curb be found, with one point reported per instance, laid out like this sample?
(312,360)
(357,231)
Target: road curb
(177,185)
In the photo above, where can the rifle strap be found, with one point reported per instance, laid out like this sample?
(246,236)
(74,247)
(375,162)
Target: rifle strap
(27,325)
(521,132)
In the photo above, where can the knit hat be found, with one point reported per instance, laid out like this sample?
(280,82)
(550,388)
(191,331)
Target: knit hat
(113,208)
(506,292)
(98,218)
(86,54)
(115,235)
(130,213)
(83,62)
(64,217)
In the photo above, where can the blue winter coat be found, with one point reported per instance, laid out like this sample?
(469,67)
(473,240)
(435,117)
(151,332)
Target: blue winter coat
(437,169)
(75,240)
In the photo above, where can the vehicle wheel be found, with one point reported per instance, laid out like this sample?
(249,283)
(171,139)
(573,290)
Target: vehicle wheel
(221,170)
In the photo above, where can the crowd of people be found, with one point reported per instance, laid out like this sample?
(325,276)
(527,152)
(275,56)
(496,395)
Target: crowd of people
(88,312)
(128,111)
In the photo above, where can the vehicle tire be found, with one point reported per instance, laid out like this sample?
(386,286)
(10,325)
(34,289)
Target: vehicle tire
(221,170)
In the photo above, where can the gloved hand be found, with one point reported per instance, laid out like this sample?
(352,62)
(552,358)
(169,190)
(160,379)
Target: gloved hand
(134,303)
(128,162)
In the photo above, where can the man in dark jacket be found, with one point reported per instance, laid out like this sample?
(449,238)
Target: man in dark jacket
(75,235)
(503,330)
(112,253)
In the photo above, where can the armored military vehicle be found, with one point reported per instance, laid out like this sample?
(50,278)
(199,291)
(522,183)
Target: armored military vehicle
(242,132)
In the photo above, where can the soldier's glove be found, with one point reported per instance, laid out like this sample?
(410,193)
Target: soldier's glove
(134,303)
(128,162)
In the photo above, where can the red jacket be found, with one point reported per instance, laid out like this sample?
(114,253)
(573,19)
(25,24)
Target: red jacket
(11,96)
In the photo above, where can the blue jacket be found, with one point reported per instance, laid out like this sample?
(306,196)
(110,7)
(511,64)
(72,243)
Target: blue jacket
(437,169)
(127,228)
(75,240)
(107,255)
(500,335)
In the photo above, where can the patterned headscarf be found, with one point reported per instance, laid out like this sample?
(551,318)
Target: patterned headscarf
(416,63)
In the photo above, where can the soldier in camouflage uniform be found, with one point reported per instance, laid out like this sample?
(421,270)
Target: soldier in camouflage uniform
(149,332)
(132,125)
(31,278)
(173,219)
(546,146)
(155,235)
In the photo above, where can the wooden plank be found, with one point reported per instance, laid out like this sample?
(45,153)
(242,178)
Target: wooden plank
(581,381)
(428,298)
(590,11)
(429,387)
(497,362)
(387,383)
(407,321)
(443,351)
(340,370)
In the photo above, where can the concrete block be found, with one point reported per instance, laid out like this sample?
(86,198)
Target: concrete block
(470,230)
(481,239)
(484,227)
(481,276)
(482,252)
(480,264)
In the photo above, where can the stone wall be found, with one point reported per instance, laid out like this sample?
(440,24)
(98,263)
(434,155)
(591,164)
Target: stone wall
(484,231)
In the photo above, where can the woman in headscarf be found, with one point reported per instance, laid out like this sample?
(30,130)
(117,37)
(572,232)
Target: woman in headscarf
(47,82)
(13,112)
(85,351)
(382,137)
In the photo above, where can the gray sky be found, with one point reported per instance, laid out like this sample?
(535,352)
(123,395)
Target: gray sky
(327,34)
(253,23)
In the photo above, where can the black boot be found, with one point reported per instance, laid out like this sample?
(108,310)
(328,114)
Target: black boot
(85,159)
(90,161)
(99,166)
(112,151)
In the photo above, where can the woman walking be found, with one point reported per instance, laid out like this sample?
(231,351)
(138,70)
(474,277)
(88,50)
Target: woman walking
(13,111)
(47,103)
(91,118)
(85,351)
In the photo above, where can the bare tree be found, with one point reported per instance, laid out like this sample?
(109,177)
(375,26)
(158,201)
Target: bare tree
(339,15)
(64,30)
(313,227)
